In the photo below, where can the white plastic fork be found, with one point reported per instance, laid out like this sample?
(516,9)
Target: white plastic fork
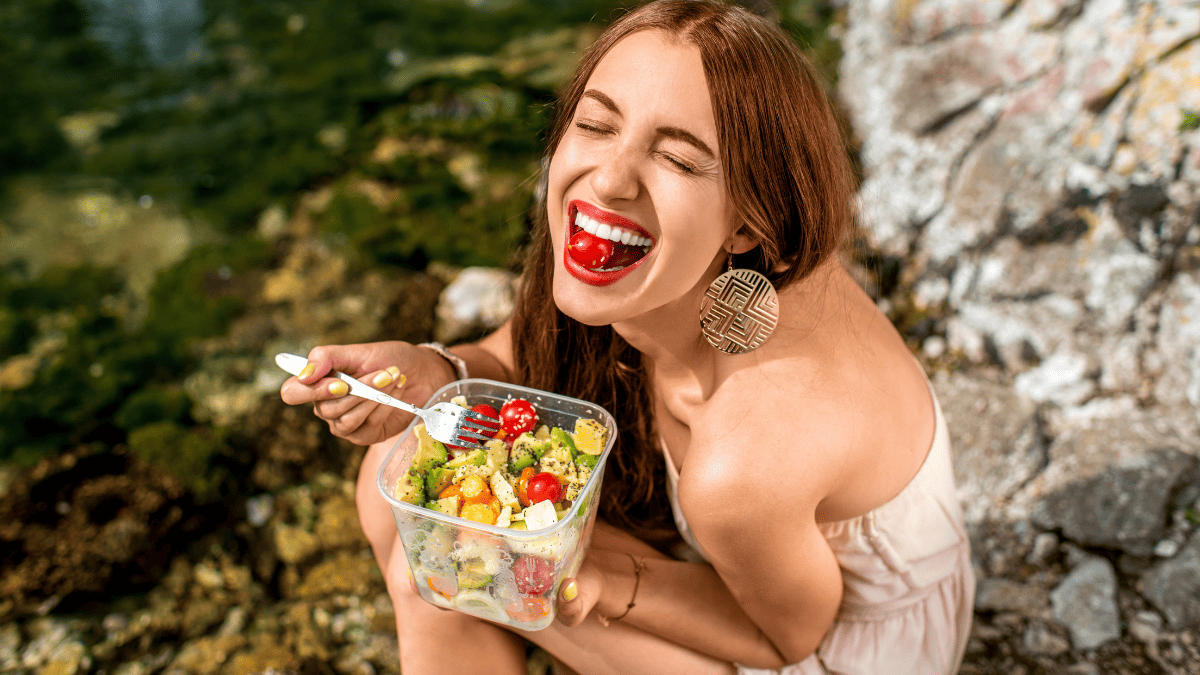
(446,422)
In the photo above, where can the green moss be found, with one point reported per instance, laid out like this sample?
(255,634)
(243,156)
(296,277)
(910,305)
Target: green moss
(187,454)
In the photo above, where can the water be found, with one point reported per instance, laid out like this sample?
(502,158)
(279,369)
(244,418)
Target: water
(165,31)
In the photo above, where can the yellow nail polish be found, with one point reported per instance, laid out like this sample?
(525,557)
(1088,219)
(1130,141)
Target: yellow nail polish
(339,388)
(307,372)
(394,371)
(570,591)
(382,380)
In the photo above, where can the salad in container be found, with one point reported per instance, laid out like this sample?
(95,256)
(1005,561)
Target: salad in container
(493,531)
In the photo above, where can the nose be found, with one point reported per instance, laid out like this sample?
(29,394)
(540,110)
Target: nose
(617,177)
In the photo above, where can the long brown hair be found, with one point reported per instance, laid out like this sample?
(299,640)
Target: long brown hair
(790,183)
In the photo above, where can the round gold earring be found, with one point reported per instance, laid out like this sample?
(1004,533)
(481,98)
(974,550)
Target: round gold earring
(739,310)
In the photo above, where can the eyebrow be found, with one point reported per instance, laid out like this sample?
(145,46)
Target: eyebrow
(670,132)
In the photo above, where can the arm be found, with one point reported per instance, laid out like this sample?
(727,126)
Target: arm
(774,587)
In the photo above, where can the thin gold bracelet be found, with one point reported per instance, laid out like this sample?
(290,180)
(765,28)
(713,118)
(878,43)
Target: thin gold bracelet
(638,567)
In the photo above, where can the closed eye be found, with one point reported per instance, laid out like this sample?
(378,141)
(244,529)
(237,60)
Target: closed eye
(682,166)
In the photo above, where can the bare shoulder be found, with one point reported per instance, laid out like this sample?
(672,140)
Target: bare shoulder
(772,439)
(836,421)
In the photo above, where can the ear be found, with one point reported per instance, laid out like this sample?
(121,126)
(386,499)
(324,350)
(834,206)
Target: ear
(740,241)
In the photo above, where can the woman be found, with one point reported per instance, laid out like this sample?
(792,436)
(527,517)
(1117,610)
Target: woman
(809,471)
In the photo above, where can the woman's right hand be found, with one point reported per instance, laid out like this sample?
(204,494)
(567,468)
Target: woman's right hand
(399,369)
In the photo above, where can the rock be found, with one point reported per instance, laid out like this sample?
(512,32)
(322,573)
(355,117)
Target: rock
(10,646)
(67,659)
(1173,586)
(1003,595)
(1039,639)
(346,573)
(1085,602)
(45,634)
(199,615)
(293,544)
(1045,544)
(1125,507)
(478,299)
(259,509)
(337,524)
(1146,627)
(205,655)
(996,437)
(261,658)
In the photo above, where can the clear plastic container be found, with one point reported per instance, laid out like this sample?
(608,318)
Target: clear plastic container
(474,568)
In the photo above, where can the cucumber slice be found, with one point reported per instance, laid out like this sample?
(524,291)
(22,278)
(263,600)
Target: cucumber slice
(481,605)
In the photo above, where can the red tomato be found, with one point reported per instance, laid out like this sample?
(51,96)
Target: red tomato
(518,416)
(544,486)
(534,575)
(488,411)
(588,250)
(494,423)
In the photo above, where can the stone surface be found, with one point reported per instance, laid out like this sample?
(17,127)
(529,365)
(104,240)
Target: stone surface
(1085,602)
(478,299)
(996,437)
(1174,586)
(1124,507)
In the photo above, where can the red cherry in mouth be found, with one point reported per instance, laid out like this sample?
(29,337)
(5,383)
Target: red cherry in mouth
(589,251)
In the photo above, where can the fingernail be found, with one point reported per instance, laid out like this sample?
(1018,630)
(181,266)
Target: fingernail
(339,388)
(570,591)
(307,372)
(394,371)
(412,581)
(383,379)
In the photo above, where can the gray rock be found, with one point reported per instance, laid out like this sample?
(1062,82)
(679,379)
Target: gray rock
(996,438)
(1039,639)
(1085,602)
(478,299)
(1173,586)
(1123,507)
(1004,595)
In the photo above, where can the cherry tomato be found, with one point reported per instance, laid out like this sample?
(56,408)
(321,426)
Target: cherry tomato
(528,609)
(518,416)
(523,484)
(544,486)
(534,575)
(589,250)
(488,411)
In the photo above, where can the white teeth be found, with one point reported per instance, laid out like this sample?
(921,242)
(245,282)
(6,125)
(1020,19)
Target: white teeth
(606,231)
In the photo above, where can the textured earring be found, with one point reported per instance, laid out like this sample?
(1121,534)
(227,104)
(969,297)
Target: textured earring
(739,310)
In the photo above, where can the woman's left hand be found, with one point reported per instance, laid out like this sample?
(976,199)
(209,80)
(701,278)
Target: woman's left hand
(606,580)
(577,596)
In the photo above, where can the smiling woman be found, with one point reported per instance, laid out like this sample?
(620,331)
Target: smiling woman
(692,138)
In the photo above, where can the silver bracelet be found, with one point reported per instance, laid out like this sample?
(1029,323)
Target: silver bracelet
(460,366)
